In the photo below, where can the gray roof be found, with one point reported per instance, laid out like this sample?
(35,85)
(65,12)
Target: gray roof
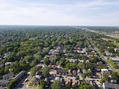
(61,71)
(3,88)
(8,76)
(111,85)
(19,75)
(4,82)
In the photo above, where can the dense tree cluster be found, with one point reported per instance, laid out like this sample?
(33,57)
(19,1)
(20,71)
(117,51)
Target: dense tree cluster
(27,46)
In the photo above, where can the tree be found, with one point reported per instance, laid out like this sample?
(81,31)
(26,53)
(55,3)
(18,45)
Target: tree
(56,85)
(70,65)
(21,54)
(104,79)
(45,72)
(33,63)
(68,86)
(77,77)
(12,84)
(83,76)
(46,61)
(42,84)
(85,86)
(111,49)
(33,71)
(24,65)
(89,66)
(28,58)
(6,69)
(12,57)
(88,73)
(94,59)
(2,71)
(115,75)
(81,65)
(37,57)
(15,67)
(62,62)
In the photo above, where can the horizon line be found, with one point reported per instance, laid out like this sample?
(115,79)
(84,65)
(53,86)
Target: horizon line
(63,25)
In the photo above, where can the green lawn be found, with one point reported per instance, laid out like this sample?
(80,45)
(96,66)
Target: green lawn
(117,44)
(117,37)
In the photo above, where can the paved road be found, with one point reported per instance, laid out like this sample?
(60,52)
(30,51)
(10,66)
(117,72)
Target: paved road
(102,56)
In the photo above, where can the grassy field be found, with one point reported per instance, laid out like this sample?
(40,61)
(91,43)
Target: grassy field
(117,37)
(117,44)
(106,39)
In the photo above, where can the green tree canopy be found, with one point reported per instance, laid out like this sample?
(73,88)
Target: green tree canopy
(85,86)
(34,70)
(45,72)
(12,84)
(56,85)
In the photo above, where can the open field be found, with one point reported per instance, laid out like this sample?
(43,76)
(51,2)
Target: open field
(115,37)
(106,39)
(117,44)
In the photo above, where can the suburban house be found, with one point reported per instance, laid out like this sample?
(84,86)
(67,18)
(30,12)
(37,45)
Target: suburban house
(72,60)
(58,72)
(90,54)
(8,63)
(35,81)
(20,76)
(108,54)
(38,75)
(6,54)
(3,83)
(8,76)
(55,51)
(105,71)
(116,49)
(115,59)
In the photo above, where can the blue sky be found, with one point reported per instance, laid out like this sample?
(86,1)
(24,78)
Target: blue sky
(60,12)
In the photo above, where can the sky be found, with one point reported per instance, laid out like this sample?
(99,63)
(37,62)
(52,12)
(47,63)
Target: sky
(60,12)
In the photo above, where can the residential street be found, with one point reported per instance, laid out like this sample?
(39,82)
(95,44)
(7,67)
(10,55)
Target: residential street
(102,56)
